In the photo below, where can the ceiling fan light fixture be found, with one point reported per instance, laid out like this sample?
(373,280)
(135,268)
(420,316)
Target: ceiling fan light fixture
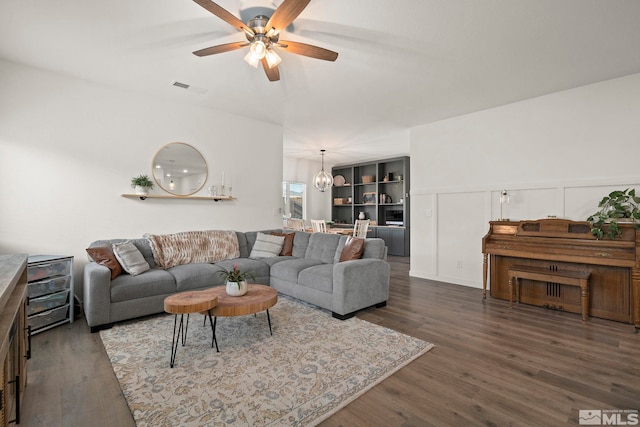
(252,59)
(272,57)
(258,48)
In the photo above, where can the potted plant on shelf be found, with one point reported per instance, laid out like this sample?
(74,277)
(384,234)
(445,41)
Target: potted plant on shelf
(618,206)
(236,280)
(142,184)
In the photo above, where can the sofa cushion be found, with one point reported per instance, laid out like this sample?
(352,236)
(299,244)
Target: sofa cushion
(322,246)
(374,248)
(130,258)
(151,282)
(300,243)
(287,246)
(318,277)
(142,244)
(266,246)
(104,255)
(352,249)
(195,276)
(289,270)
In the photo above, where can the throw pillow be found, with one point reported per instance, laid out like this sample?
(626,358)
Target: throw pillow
(287,246)
(104,255)
(130,257)
(266,246)
(352,249)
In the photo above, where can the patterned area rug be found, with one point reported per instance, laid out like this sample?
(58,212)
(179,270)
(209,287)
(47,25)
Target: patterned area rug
(311,367)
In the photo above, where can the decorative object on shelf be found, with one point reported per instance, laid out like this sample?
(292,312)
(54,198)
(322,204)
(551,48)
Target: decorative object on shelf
(504,200)
(179,169)
(338,180)
(618,206)
(361,216)
(236,280)
(367,179)
(369,198)
(142,184)
(213,191)
(322,180)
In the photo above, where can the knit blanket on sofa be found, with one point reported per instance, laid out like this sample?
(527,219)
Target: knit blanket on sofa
(191,247)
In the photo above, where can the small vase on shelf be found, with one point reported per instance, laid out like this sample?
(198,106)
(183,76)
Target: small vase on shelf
(361,216)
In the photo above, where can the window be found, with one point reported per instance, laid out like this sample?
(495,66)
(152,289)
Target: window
(294,199)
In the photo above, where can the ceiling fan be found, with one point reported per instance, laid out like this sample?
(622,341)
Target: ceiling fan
(263,33)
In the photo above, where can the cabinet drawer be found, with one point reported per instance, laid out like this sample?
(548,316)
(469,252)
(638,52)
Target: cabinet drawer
(45,287)
(38,305)
(47,318)
(45,271)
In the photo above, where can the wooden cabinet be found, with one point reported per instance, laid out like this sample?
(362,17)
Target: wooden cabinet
(13,336)
(395,239)
(380,191)
(50,291)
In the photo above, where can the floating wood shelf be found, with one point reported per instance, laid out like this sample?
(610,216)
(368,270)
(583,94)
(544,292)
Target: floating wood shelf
(165,196)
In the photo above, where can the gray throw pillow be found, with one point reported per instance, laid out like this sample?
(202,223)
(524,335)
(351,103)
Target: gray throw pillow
(267,246)
(130,258)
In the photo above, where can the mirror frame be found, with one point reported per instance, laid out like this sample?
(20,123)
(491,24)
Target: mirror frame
(159,181)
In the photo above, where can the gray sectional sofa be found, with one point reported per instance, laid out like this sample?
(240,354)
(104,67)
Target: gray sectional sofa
(312,274)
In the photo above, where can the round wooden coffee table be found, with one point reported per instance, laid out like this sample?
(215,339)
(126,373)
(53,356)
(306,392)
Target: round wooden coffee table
(258,298)
(186,303)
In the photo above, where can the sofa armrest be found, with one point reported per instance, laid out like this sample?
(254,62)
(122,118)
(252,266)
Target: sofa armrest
(97,294)
(359,284)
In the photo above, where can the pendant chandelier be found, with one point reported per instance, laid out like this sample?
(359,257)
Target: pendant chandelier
(322,180)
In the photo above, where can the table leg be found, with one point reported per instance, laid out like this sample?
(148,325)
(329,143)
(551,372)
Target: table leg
(175,339)
(184,333)
(213,326)
(213,331)
(269,320)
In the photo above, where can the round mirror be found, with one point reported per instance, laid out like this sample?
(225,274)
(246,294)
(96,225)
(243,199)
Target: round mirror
(179,169)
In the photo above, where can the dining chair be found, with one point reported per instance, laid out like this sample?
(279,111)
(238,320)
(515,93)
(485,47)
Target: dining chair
(360,228)
(318,225)
(295,224)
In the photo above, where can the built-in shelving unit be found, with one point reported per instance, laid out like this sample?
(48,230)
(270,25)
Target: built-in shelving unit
(380,190)
(164,196)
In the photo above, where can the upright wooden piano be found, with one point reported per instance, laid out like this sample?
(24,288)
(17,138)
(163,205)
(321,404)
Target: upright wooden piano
(559,245)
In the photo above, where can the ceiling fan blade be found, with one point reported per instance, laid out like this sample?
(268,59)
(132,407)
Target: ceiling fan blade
(220,48)
(308,50)
(273,74)
(225,15)
(284,15)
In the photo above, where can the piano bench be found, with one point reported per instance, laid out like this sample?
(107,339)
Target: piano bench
(571,278)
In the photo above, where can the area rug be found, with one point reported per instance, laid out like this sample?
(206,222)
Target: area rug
(311,367)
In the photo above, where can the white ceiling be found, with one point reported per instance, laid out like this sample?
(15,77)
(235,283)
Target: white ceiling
(402,63)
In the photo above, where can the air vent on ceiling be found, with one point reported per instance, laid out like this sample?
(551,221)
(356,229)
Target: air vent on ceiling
(190,88)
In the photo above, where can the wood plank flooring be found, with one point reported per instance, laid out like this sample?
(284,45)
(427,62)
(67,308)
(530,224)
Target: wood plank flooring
(492,365)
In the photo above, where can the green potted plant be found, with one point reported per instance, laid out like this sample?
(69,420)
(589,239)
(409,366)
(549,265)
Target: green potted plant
(236,280)
(617,206)
(142,184)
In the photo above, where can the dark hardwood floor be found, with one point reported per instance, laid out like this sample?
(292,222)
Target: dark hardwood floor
(492,365)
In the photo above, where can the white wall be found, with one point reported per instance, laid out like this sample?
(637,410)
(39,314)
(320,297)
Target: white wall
(300,170)
(556,155)
(69,148)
